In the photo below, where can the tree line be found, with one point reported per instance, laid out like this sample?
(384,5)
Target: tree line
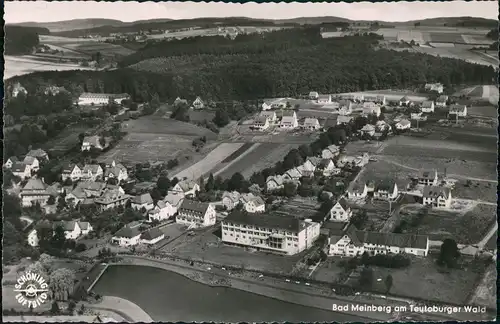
(21,40)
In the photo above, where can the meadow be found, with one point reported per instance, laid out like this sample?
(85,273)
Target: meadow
(19,65)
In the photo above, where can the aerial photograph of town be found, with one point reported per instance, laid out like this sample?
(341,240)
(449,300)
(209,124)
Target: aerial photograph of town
(244,162)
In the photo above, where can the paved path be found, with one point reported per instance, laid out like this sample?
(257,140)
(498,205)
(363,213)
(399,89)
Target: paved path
(385,159)
(122,307)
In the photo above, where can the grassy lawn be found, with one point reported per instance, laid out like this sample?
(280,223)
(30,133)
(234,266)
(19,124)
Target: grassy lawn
(485,191)
(465,229)
(423,279)
(486,292)
(492,242)
(329,271)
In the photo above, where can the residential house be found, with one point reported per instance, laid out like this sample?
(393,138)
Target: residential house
(92,172)
(382,126)
(195,214)
(313,95)
(40,154)
(174,198)
(343,120)
(17,89)
(33,238)
(405,101)
(99,99)
(230,199)
(269,233)
(187,187)
(128,235)
(266,106)
(441,101)
(345,107)
(274,183)
(458,110)
(260,123)
(92,142)
(179,101)
(152,236)
(53,90)
(357,191)
(198,103)
(353,97)
(289,120)
(116,171)
(327,168)
(385,190)
(427,106)
(417,116)
(368,130)
(353,242)
(162,210)
(10,162)
(73,229)
(403,124)
(71,171)
(252,203)
(142,201)
(270,116)
(324,99)
(375,99)
(370,108)
(340,212)
(428,177)
(330,152)
(32,163)
(311,124)
(21,170)
(438,87)
(111,199)
(292,175)
(437,196)
(34,192)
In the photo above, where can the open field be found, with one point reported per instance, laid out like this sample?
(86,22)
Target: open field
(465,229)
(214,31)
(486,292)
(211,160)
(476,190)
(328,271)
(391,95)
(265,155)
(19,65)
(458,53)
(67,139)
(423,279)
(492,242)
(85,46)
(155,125)
(298,207)
(423,34)
(206,246)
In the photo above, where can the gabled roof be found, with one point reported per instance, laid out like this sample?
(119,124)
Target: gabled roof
(68,226)
(194,206)
(84,225)
(427,174)
(151,234)
(260,120)
(324,97)
(37,153)
(267,114)
(277,178)
(266,221)
(344,119)
(391,239)
(35,184)
(128,231)
(142,199)
(68,168)
(427,104)
(29,159)
(314,160)
(368,128)
(173,199)
(91,140)
(404,122)
(187,185)
(294,173)
(311,122)
(442,98)
(324,163)
(93,168)
(435,192)
(343,203)
(332,148)
(404,99)
(457,108)
(385,185)
(13,159)
(234,196)
(19,167)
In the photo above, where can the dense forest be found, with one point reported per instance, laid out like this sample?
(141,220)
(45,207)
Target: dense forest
(22,40)
(278,64)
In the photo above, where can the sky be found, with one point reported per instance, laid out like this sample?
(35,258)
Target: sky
(41,11)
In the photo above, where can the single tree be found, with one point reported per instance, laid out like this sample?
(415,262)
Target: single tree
(449,253)
(366,277)
(388,282)
(55,308)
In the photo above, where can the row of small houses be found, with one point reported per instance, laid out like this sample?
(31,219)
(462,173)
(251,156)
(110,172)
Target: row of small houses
(29,165)
(314,165)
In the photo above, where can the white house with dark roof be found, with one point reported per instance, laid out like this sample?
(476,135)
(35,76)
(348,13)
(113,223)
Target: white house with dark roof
(405,101)
(142,201)
(35,191)
(385,190)
(92,172)
(115,171)
(428,177)
(162,210)
(17,88)
(21,170)
(436,196)
(357,191)
(111,198)
(32,163)
(198,103)
(269,233)
(330,152)
(152,236)
(311,124)
(178,101)
(74,229)
(458,110)
(174,198)
(40,154)
(230,199)
(91,142)
(313,95)
(352,242)
(441,101)
(292,175)
(324,99)
(270,116)
(252,203)
(368,130)
(128,235)
(345,107)
(266,106)
(10,162)
(327,168)
(187,187)
(340,212)
(369,108)
(427,106)
(274,183)
(260,123)
(196,214)
(403,124)
(289,120)
(438,87)
(71,171)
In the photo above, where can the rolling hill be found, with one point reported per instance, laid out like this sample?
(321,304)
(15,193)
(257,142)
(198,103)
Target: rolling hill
(74,24)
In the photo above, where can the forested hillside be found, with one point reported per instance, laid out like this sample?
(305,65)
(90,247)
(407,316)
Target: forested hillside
(22,40)
(279,64)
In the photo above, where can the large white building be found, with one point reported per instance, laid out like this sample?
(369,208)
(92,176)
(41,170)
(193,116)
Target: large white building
(269,233)
(98,99)
(34,192)
(196,214)
(352,242)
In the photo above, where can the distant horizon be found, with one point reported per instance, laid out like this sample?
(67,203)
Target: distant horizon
(29,12)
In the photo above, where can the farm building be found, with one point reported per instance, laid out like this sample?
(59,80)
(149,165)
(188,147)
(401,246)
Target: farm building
(353,242)
(99,99)
(270,233)
(458,110)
